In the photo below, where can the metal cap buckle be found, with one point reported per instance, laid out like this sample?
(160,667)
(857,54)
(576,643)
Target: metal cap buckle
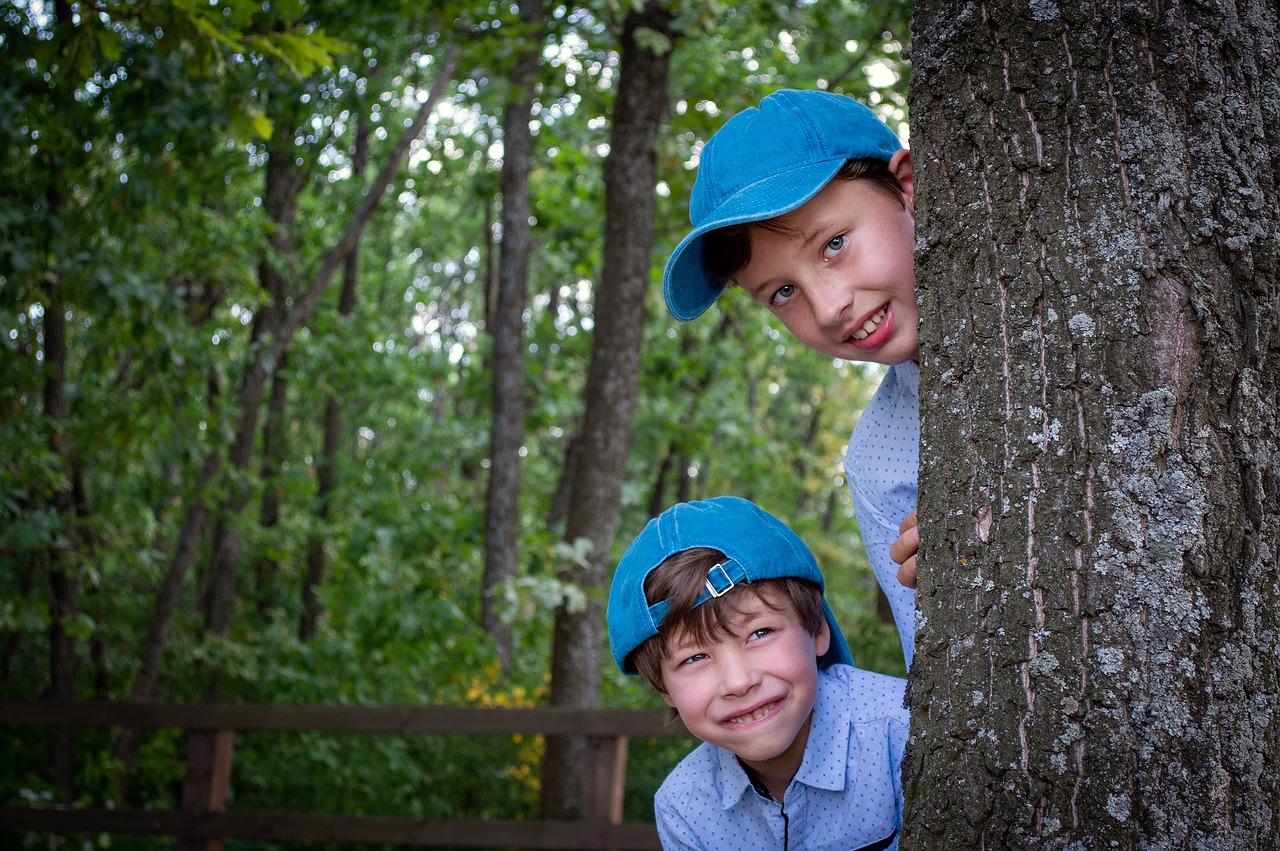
(711,589)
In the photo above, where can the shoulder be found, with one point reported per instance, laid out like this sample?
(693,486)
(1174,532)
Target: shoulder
(893,414)
(899,389)
(694,779)
(870,696)
(883,453)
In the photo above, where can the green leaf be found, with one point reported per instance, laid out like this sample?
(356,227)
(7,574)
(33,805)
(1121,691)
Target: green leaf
(247,123)
(108,44)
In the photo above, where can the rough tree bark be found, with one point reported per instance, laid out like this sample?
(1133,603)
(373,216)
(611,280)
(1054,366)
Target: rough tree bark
(506,329)
(1097,220)
(610,392)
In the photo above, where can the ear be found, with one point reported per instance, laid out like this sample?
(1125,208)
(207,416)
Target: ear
(900,165)
(667,698)
(822,641)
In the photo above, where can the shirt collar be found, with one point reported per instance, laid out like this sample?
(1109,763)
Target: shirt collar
(825,767)
(733,779)
(909,374)
(822,767)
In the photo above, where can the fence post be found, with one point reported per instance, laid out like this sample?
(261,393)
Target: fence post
(604,779)
(208,781)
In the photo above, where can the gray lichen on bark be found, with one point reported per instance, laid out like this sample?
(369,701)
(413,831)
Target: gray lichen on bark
(1098,264)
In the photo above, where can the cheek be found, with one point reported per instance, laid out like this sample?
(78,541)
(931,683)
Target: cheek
(800,326)
(686,695)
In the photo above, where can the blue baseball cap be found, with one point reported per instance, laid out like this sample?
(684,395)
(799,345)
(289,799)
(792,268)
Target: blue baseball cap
(756,545)
(762,163)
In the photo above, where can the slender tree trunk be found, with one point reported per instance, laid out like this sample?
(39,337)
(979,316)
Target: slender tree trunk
(490,264)
(568,474)
(249,401)
(62,584)
(57,412)
(798,463)
(610,392)
(684,482)
(327,470)
(506,430)
(267,566)
(694,389)
(326,476)
(1099,276)
(281,189)
(658,494)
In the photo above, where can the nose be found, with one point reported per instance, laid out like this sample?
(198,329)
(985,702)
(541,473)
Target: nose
(737,674)
(830,302)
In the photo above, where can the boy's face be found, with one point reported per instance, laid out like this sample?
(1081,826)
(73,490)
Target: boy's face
(841,275)
(751,691)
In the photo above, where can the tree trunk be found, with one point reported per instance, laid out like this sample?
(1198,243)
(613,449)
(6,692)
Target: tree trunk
(57,413)
(658,494)
(327,469)
(1096,202)
(266,565)
(62,583)
(568,475)
(250,399)
(610,392)
(490,264)
(280,203)
(506,430)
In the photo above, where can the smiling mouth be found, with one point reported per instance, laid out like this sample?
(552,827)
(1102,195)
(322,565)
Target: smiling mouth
(758,714)
(869,327)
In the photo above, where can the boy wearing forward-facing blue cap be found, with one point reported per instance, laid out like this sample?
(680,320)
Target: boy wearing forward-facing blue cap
(720,607)
(807,204)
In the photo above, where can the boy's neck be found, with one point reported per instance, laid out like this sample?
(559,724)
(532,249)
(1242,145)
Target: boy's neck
(775,775)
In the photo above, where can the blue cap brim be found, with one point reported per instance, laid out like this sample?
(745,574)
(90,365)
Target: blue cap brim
(838,651)
(686,286)
(756,547)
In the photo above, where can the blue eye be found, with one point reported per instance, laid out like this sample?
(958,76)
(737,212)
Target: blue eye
(782,295)
(834,246)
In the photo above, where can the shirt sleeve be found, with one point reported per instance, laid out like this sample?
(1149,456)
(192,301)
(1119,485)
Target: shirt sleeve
(881,465)
(878,534)
(898,731)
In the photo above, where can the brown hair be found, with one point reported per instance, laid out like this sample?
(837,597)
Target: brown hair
(727,250)
(683,576)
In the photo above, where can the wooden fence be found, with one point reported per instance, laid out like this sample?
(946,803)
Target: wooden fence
(203,822)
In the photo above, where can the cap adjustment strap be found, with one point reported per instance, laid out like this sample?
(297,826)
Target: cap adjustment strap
(732,574)
(711,586)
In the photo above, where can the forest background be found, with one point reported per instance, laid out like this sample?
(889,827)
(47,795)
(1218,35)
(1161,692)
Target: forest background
(177,179)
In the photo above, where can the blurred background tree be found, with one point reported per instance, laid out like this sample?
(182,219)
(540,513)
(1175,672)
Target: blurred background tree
(252,258)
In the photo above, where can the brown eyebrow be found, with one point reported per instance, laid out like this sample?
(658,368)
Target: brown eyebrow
(806,241)
(819,230)
(755,292)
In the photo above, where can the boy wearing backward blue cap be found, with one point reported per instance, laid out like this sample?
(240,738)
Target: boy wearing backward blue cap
(720,607)
(806,203)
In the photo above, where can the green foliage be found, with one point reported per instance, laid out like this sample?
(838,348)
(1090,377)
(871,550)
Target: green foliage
(138,137)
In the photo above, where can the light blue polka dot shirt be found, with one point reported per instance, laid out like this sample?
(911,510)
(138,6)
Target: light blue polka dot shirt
(846,795)
(881,466)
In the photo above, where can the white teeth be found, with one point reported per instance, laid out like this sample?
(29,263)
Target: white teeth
(762,712)
(869,326)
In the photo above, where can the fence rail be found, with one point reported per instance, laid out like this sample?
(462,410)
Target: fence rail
(204,821)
